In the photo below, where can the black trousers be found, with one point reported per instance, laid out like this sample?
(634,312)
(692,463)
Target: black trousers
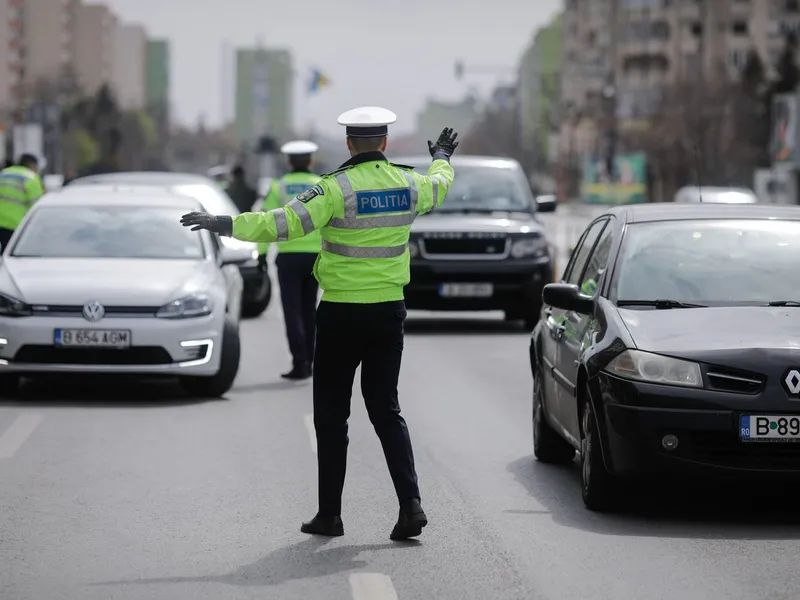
(299,299)
(5,237)
(370,335)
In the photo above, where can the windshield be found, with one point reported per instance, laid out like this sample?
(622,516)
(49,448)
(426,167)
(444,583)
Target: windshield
(213,199)
(107,232)
(488,188)
(710,261)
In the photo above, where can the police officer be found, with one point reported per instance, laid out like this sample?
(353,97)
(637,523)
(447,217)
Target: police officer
(20,187)
(295,261)
(364,212)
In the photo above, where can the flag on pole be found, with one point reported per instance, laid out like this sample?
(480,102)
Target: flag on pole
(318,81)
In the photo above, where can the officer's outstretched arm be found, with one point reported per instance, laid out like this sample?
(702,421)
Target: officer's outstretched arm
(308,212)
(34,188)
(433,187)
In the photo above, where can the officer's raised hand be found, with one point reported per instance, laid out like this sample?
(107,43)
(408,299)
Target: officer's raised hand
(221,224)
(446,144)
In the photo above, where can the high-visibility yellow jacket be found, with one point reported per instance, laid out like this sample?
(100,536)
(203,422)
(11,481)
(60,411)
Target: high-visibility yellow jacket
(281,192)
(19,189)
(363,211)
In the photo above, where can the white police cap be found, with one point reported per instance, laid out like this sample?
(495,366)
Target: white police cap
(367,121)
(299,147)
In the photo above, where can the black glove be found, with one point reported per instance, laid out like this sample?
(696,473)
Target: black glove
(445,146)
(221,224)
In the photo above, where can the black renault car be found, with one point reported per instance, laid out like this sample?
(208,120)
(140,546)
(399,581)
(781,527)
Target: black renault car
(257,292)
(484,248)
(672,344)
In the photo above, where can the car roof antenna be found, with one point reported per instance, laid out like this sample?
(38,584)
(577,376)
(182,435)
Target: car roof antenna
(698,172)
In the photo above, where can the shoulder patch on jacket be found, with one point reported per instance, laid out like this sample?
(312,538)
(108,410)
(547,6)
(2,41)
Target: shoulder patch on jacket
(410,168)
(311,193)
(339,170)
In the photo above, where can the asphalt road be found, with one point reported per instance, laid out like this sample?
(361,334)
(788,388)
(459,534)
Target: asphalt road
(136,494)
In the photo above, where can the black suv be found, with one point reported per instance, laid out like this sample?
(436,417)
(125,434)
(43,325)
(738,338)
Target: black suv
(484,248)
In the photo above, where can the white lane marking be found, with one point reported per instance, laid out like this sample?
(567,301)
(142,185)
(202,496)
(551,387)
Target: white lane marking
(372,586)
(312,433)
(17,433)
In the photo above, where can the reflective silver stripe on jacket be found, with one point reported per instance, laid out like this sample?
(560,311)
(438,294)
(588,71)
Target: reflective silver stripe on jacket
(351,219)
(436,180)
(281,224)
(22,203)
(364,252)
(302,212)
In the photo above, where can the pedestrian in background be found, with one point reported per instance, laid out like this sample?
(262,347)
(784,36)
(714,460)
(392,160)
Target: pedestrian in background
(295,261)
(20,187)
(243,196)
(364,211)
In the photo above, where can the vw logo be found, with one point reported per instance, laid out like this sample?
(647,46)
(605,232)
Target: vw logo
(93,311)
(791,382)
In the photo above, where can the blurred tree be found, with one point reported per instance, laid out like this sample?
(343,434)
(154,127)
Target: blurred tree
(788,70)
(751,107)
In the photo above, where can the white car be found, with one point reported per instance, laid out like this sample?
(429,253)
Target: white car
(257,293)
(99,282)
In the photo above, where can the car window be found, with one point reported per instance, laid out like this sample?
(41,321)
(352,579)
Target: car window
(721,261)
(596,265)
(581,253)
(486,188)
(107,232)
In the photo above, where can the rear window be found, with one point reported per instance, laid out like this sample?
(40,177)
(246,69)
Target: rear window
(107,232)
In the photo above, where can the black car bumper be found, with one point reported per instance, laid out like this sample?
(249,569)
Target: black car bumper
(515,283)
(256,283)
(708,435)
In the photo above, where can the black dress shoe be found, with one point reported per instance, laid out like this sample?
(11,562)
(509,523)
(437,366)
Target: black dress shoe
(329,526)
(410,522)
(298,373)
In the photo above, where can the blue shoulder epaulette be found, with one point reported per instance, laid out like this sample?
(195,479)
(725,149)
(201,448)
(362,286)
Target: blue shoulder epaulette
(402,166)
(339,170)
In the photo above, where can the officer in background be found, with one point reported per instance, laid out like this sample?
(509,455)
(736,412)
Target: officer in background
(20,187)
(364,211)
(295,261)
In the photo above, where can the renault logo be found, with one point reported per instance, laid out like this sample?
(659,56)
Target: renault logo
(791,382)
(93,311)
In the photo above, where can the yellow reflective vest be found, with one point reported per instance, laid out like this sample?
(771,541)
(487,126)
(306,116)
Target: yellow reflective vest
(364,212)
(19,189)
(281,192)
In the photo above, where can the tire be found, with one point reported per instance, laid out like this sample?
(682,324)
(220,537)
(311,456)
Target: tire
(254,308)
(9,385)
(548,446)
(218,385)
(598,487)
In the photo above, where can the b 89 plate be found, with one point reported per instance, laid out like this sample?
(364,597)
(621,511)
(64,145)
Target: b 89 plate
(769,428)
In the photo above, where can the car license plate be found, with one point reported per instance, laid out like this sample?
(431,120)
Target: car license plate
(92,338)
(466,290)
(766,428)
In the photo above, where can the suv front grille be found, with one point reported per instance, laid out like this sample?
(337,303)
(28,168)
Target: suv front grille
(485,247)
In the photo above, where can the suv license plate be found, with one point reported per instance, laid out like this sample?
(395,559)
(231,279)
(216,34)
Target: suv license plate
(466,290)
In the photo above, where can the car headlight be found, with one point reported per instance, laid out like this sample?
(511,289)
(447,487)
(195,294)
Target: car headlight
(413,248)
(654,368)
(11,307)
(198,305)
(529,247)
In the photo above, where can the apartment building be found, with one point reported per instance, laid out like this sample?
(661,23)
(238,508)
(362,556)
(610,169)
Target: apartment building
(636,48)
(93,46)
(10,51)
(129,66)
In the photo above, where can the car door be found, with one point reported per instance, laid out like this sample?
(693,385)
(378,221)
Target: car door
(579,329)
(554,326)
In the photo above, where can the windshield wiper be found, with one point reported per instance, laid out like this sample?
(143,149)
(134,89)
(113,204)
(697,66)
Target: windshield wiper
(660,304)
(784,303)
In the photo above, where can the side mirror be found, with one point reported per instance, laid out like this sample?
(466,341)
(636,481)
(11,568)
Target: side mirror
(546,203)
(567,296)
